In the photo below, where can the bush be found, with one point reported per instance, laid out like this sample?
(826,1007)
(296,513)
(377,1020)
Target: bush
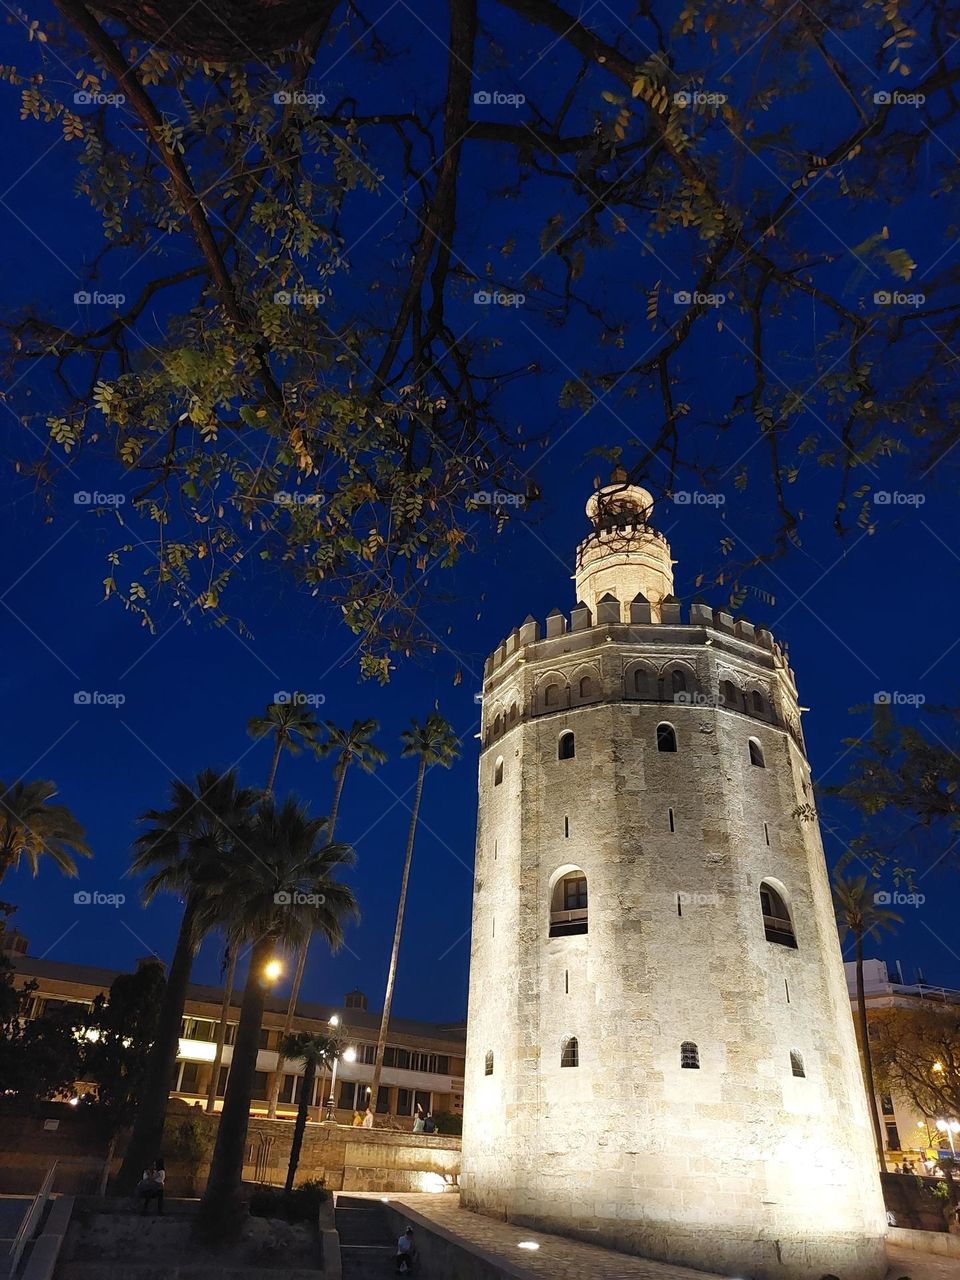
(447,1122)
(302,1204)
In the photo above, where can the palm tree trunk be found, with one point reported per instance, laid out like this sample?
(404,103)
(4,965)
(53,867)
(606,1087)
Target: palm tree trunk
(341,774)
(221,1205)
(309,1076)
(866,1055)
(147,1136)
(397,932)
(222,1025)
(275,762)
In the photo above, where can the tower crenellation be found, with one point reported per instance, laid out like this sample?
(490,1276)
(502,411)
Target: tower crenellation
(660,1055)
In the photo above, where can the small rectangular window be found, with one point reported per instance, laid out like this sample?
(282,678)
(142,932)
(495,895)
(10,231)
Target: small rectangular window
(566,828)
(574,893)
(893,1138)
(766,833)
(672,827)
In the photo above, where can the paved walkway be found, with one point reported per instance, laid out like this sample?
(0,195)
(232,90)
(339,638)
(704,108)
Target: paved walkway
(561,1259)
(367,1246)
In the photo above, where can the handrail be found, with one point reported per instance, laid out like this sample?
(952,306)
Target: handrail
(29,1223)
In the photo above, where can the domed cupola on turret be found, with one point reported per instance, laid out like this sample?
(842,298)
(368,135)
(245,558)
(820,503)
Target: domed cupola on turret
(624,556)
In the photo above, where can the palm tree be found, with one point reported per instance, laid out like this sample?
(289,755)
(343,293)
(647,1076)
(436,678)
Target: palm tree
(310,1048)
(860,915)
(282,888)
(31,826)
(287,722)
(433,742)
(186,849)
(352,746)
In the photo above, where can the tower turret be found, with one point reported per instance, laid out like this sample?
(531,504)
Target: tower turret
(623,556)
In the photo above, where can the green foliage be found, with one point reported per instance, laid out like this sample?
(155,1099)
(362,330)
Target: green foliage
(447,1122)
(119,1038)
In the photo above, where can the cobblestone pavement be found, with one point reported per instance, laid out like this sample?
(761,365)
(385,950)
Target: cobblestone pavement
(562,1259)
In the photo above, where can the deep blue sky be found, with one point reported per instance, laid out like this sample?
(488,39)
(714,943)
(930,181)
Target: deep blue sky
(874,612)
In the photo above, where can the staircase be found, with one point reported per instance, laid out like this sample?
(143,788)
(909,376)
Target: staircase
(367,1245)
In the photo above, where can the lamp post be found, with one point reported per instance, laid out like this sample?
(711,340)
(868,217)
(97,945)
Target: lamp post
(349,1055)
(949,1127)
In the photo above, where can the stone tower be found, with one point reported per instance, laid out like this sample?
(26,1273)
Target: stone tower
(660,1053)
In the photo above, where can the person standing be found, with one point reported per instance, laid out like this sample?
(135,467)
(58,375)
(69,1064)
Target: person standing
(418,1120)
(368,1118)
(152,1184)
(406,1252)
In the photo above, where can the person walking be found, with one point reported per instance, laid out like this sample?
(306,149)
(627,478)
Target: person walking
(152,1184)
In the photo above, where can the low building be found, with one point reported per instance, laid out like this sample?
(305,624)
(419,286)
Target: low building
(423,1063)
(906,1133)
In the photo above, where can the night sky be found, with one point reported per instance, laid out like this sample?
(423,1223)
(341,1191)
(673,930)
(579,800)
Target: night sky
(860,615)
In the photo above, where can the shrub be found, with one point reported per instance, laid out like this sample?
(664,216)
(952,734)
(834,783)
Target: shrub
(302,1204)
(447,1122)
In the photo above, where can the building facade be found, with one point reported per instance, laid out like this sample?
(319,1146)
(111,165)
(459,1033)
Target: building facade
(424,1062)
(660,1054)
(907,1132)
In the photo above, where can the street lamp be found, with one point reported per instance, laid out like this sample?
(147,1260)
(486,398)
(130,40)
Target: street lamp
(272,970)
(349,1055)
(949,1127)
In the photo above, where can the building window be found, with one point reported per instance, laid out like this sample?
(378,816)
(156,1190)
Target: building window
(796,1062)
(568,905)
(498,771)
(886,1104)
(552,696)
(666,737)
(670,816)
(222,1081)
(893,1138)
(586,687)
(566,827)
(513,712)
(496,727)
(566,747)
(729,693)
(259,1090)
(679,681)
(777,924)
(756,754)
(759,705)
(570,1053)
(641,682)
(488,1063)
(188,1077)
(689,1056)
(766,835)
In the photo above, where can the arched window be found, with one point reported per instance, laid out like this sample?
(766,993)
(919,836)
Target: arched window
(568,904)
(552,696)
(642,683)
(586,687)
(689,1056)
(513,712)
(497,727)
(570,1053)
(759,703)
(730,694)
(566,746)
(488,1063)
(777,925)
(498,771)
(796,1062)
(756,754)
(679,682)
(666,737)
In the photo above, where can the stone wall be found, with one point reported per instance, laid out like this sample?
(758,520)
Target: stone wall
(347,1159)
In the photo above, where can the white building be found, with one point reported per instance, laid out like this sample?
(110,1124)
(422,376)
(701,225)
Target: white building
(660,1055)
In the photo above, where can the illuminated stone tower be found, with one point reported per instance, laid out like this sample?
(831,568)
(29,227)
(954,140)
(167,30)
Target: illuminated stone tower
(660,1053)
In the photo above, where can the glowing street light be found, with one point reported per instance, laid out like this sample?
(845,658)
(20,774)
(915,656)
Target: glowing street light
(334,1021)
(349,1055)
(272,970)
(949,1127)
